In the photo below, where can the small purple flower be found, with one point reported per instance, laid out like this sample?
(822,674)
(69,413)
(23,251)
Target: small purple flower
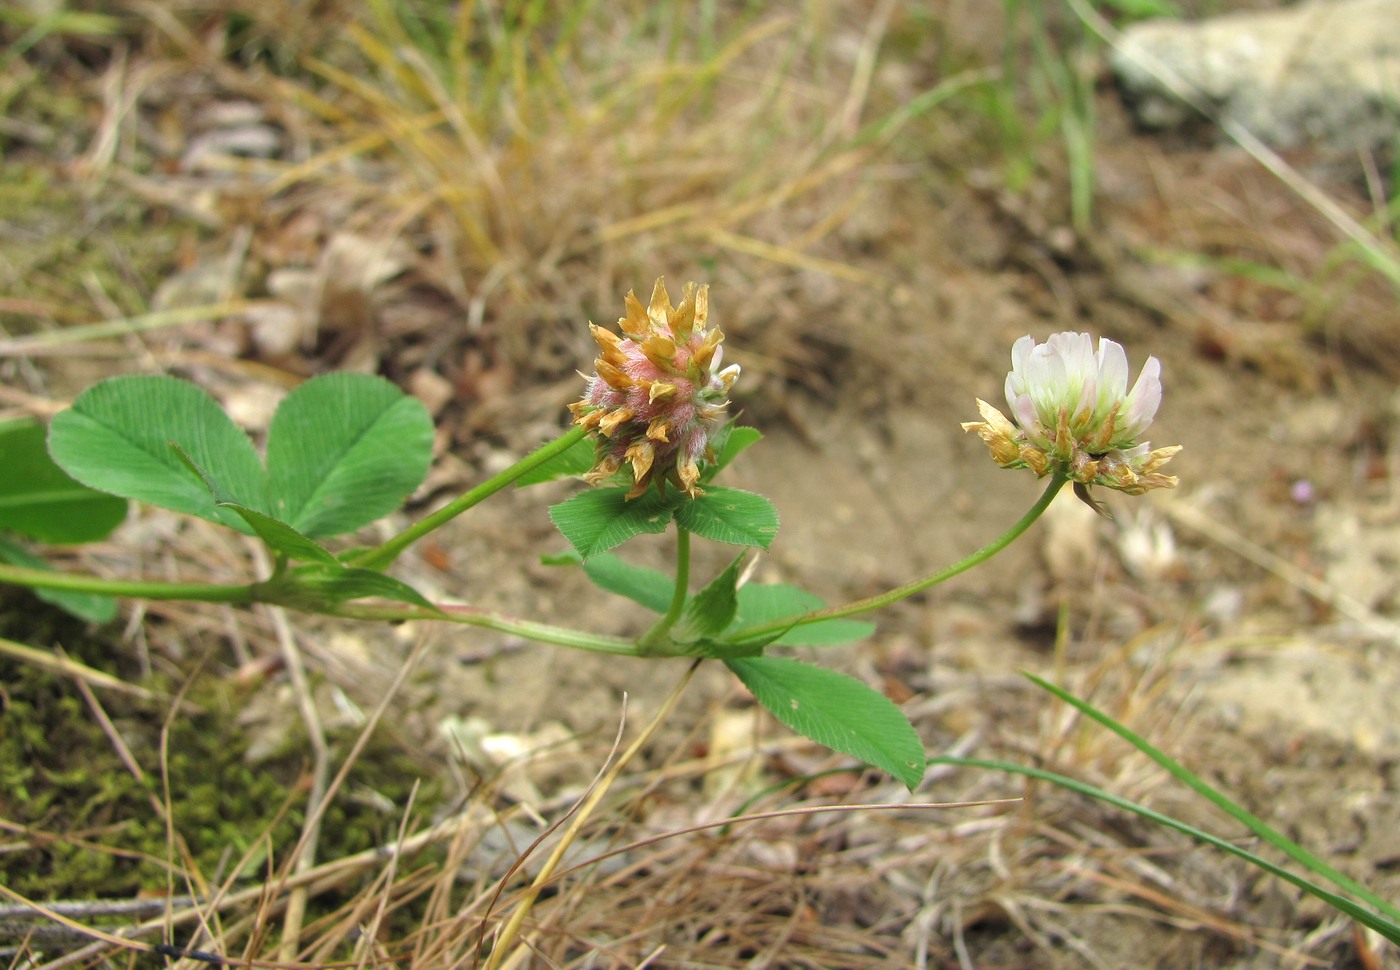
(1075,415)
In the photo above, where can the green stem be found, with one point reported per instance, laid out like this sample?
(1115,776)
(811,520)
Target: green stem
(682,578)
(382,556)
(654,637)
(201,592)
(919,585)
(248,594)
(500,622)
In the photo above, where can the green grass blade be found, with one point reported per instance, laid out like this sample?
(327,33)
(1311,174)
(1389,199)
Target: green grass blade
(1252,822)
(1386,927)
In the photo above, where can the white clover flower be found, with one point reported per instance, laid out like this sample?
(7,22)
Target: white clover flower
(1075,416)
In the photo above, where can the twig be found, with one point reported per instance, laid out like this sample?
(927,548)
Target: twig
(120,745)
(312,880)
(325,875)
(371,933)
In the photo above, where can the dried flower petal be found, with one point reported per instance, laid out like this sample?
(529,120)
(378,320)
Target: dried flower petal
(1075,415)
(658,395)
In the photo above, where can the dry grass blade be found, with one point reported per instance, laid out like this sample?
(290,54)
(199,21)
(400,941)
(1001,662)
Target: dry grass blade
(538,152)
(317,794)
(580,817)
(66,666)
(55,341)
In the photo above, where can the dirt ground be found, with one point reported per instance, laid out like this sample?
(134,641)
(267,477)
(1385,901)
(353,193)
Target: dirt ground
(1243,622)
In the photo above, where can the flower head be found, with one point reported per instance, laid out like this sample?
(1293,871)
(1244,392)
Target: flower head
(658,396)
(1074,415)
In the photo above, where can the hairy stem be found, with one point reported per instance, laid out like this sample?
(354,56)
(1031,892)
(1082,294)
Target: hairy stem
(247,594)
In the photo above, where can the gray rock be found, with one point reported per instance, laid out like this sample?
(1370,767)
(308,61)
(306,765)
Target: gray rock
(1324,72)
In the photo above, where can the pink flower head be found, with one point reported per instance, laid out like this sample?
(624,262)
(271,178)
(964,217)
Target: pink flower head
(658,396)
(1075,415)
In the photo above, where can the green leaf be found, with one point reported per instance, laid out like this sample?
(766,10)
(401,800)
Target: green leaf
(571,463)
(728,444)
(649,587)
(116,438)
(221,495)
(837,711)
(730,515)
(343,450)
(282,539)
(93,607)
(317,583)
(764,603)
(38,500)
(601,518)
(712,609)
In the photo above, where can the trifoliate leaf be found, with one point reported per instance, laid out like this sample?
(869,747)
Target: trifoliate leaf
(649,587)
(710,610)
(762,604)
(116,438)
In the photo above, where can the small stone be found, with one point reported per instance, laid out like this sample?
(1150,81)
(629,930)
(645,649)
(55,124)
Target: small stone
(1318,73)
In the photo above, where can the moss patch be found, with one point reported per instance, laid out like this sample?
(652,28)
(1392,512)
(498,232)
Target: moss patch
(93,830)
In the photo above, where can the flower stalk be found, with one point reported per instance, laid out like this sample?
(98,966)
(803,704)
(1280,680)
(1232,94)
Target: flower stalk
(889,597)
(384,555)
(651,641)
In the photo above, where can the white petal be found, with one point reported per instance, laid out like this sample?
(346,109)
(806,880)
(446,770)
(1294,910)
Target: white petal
(1015,388)
(1021,350)
(1144,399)
(1079,388)
(1024,411)
(1045,382)
(1113,371)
